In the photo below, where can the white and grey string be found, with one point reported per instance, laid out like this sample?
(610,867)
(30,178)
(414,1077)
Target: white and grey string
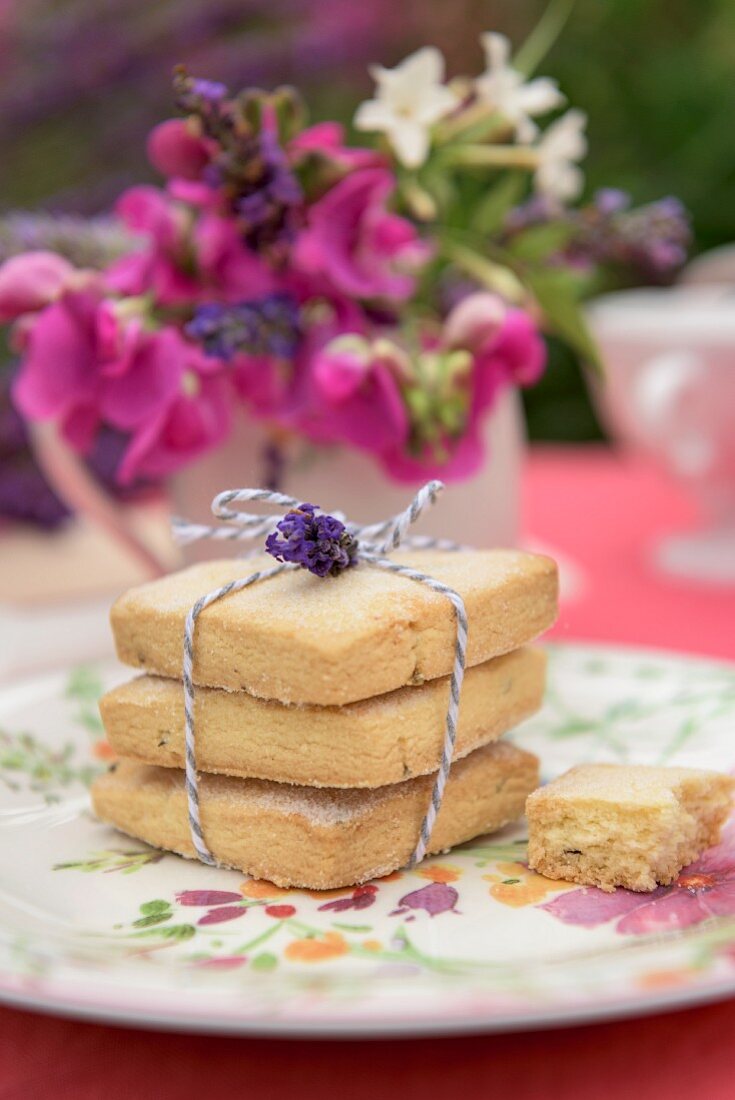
(374,542)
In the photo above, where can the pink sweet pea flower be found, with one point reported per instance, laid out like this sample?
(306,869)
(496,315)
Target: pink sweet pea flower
(30,281)
(175,150)
(162,267)
(474,321)
(506,349)
(327,138)
(229,270)
(284,391)
(504,340)
(356,244)
(356,395)
(83,365)
(195,417)
(190,256)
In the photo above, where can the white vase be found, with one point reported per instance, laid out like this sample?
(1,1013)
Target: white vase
(480,511)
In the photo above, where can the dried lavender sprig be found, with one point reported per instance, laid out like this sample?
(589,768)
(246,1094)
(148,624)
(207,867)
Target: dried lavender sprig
(314,540)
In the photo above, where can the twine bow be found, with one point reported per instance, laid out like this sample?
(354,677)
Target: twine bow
(374,541)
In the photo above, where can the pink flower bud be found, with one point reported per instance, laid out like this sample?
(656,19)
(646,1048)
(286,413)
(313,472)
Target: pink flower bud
(475,321)
(175,151)
(31,281)
(342,367)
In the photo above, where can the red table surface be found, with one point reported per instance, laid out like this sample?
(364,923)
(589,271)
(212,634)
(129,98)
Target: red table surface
(603,513)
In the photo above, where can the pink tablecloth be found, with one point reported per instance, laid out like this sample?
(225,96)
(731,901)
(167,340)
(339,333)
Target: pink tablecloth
(602,514)
(607,514)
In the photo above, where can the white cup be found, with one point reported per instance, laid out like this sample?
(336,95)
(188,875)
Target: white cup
(669,357)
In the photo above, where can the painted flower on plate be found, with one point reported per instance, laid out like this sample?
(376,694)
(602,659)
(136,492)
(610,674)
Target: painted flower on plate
(516,886)
(434,899)
(317,948)
(361,898)
(704,889)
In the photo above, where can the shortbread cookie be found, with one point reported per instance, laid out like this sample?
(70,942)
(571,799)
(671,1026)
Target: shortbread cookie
(316,838)
(366,744)
(301,639)
(611,825)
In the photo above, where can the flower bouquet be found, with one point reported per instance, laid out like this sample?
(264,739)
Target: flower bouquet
(377,298)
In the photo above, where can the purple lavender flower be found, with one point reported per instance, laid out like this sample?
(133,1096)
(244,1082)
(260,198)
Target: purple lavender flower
(264,326)
(655,238)
(268,203)
(199,97)
(314,540)
(249,163)
(649,243)
(211,90)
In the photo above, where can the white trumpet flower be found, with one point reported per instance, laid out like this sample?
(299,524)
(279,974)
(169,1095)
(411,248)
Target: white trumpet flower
(409,100)
(503,89)
(560,147)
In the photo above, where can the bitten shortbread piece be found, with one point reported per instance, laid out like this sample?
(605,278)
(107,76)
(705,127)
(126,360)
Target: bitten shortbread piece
(301,639)
(312,837)
(367,744)
(611,825)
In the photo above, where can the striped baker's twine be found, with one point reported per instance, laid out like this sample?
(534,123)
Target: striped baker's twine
(374,541)
(455,688)
(191,779)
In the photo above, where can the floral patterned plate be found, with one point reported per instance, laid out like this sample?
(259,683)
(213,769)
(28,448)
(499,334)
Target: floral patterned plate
(94,924)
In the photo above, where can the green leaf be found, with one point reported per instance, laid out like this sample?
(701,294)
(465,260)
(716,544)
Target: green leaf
(172,932)
(91,721)
(352,927)
(264,961)
(556,292)
(153,918)
(572,728)
(539,241)
(493,276)
(157,906)
(84,683)
(490,211)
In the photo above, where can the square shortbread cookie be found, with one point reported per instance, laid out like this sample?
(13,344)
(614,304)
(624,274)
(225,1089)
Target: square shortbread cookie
(301,639)
(317,838)
(370,743)
(611,825)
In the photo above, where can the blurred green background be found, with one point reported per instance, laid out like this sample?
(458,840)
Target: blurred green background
(84,80)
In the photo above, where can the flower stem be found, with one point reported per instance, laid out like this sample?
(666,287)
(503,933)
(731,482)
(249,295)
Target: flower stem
(491,156)
(477,120)
(273,465)
(495,277)
(269,932)
(543,36)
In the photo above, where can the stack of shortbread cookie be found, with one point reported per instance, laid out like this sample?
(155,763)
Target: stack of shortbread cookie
(320,708)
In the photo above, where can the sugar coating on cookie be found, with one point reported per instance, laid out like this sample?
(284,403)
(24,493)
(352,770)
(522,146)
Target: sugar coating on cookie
(316,838)
(370,743)
(611,825)
(297,638)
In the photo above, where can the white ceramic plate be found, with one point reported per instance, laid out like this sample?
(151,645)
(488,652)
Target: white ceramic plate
(94,924)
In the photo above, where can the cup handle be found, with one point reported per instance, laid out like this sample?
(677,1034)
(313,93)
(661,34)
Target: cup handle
(661,382)
(82,493)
